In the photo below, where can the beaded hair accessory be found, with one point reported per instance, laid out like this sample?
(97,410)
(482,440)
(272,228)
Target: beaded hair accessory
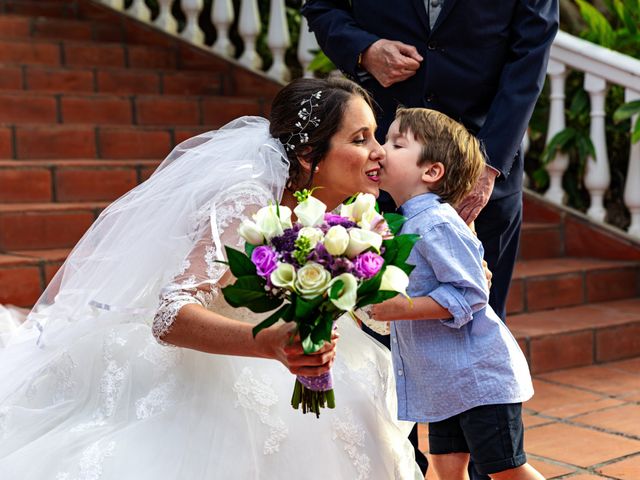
(307,121)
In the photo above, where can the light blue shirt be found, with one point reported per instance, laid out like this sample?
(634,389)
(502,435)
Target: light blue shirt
(445,367)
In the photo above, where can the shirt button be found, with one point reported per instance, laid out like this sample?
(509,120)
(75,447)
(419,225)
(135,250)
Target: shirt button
(400,372)
(395,340)
(432,46)
(430,97)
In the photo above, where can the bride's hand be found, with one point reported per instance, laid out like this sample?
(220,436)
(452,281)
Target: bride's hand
(291,355)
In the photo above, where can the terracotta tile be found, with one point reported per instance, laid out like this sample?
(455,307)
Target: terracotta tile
(576,445)
(538,210)
(583,238)
(542,241)
(10,77)
(93,184)
(31,52)
(142,56)
(27,108)
(6,143)
(515,300)
(549,396)
(124,81)
(58,80)
(556,291)
(25,185)
(553,352)
(627,469)
(20,286)
(624,419)
(549,470)
(128,143)
(534,420)
(572,409)
(630,366)
(218,111)
(55,142)
(586,476)
(618,342)
(93,54)
(191,83)
(612,284)
(96,109)
(154,110)
(598,379)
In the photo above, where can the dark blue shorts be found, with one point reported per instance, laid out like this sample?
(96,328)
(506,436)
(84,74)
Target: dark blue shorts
(492,434)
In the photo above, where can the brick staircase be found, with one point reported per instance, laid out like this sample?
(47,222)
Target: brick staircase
(91,101)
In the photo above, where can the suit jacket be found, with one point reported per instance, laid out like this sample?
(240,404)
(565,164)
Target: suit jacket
(484,63)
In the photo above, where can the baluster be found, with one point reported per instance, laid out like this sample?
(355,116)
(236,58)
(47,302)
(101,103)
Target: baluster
(249,28)
(597,175)
(306,43)
(165,20)
(278,40)
(222,15)
(560,162)
(191,31)
(138,9)
(632,184)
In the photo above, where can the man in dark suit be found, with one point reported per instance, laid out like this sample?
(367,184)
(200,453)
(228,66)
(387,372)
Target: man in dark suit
(481,62)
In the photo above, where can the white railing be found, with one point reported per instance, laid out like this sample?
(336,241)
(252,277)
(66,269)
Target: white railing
(601,67)
(249,28)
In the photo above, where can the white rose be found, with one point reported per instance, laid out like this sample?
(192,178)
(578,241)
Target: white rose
(250,232)
(369,219)
(347,297)
(284,276)
(312,280)
(310,212)
(363,204)
(270,223)
(360,240)
(314,235)
(394,280)
(336,240)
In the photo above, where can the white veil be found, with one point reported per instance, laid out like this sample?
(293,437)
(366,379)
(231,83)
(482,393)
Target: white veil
(139,243)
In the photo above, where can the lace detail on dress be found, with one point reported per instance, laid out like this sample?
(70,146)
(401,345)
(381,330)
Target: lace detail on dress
(214,269)
(57,377)
(353,435)
(91,463)
(157,400)
(259,397)
(111,384)
(167,312)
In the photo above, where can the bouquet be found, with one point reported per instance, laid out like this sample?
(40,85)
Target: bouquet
(316,269)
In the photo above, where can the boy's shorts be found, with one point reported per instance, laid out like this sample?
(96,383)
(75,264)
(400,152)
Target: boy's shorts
(492,434)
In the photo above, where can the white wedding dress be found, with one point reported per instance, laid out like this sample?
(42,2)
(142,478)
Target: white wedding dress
(87,392)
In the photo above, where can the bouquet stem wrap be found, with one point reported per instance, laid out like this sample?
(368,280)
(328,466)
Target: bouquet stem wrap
(313,393)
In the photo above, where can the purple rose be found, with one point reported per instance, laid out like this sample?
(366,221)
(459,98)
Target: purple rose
(368,264)
(265,259)
(333,220)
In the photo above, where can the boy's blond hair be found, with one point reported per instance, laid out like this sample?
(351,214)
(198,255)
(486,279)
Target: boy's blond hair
(448,142)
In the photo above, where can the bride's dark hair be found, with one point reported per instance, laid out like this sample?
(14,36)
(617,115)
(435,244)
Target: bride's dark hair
(328,108)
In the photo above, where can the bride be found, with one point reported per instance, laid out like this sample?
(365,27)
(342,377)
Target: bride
(105,381)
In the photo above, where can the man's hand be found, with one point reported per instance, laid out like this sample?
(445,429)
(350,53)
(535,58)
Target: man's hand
(472,204)
(390,61)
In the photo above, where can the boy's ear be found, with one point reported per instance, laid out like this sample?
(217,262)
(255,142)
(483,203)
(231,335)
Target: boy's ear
(433,172)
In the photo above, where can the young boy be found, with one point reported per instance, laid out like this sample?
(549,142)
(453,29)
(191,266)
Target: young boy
(457,365)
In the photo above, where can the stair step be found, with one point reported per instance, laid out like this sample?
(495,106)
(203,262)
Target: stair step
(28,226)
(82,54)
(21,107)
(561,282)
(578,336)
(62,79)
(540,240)
(24,274)
(25,27)
(64,142)
(38,8)
(70,181)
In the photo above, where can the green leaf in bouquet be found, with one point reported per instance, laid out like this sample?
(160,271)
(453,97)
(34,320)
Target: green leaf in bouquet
(249,248)
(240,264)
(377,297)
(370,286)
(398,248)
(320,333)
(395,222)
(282,312)
(249,292)
(303,308)
(336,288)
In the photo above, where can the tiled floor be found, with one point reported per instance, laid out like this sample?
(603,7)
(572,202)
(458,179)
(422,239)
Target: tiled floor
(584,423)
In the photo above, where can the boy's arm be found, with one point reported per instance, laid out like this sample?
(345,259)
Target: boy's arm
(462,288)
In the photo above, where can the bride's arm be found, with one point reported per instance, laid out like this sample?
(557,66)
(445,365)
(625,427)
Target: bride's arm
(200,329)
(187,318)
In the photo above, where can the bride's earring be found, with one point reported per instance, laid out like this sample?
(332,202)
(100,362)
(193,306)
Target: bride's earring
(316,169)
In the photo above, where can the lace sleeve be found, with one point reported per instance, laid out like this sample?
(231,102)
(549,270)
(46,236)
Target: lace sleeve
(197,282)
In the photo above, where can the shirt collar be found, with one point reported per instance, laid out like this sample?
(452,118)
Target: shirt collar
(419,203)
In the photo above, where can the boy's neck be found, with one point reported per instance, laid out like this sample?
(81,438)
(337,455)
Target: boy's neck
(406,196)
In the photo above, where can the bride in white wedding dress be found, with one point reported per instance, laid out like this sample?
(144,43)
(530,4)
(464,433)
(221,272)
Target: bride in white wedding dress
(132,366)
